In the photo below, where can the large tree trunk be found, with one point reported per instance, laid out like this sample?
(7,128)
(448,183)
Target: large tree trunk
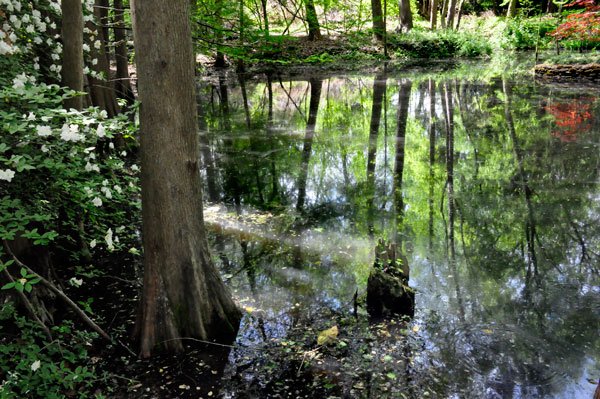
(183,294)
(405,16)
(378,25)
(314,30)
(72,37)
(123,84)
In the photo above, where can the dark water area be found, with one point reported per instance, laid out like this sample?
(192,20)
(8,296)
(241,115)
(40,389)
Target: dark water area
(488,183)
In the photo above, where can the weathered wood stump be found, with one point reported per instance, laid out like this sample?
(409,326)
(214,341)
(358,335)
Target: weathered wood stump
(388,292)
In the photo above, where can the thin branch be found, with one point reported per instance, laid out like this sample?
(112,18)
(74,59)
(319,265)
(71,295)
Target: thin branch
(61,294)
(29,307)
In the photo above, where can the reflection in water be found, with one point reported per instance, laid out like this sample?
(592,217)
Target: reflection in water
(490,187)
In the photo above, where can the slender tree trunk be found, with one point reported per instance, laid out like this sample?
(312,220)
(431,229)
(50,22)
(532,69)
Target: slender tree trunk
(313,110)
(459,14)
(404,91)
(220,57)
(512,9)
(314,30)
(123,84)
(266,16)
(183,294)
(433,15)
(72,36)
(443,13)
(404,16)
(451,12)
(102,90)
(378,26)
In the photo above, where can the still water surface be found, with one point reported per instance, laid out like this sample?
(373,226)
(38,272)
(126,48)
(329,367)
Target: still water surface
(489,184)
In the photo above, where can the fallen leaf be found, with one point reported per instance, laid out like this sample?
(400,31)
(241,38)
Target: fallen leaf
(327,336)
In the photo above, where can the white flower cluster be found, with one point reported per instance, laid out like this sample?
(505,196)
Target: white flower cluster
(20,80)
(71,133)
(26,27)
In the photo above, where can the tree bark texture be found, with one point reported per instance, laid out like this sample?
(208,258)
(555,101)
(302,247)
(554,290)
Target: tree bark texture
(450,15)
(378,25)
(314,29)
(72,37)
(183,294)
(512,9)
(433,16)
(123,84)
(404,16)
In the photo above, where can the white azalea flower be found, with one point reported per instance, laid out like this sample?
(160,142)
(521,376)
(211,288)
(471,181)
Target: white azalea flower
(100,131)
(109,239)
(7,174)
(43,131)
(97,201)
(76,282)
(93,243)
(35,365)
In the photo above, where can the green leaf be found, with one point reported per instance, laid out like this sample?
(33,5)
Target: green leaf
(23,272)
(8,286)
(391,376)
(28,287)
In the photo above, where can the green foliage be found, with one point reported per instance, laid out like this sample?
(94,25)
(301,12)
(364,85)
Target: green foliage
(420,43)
(525,33)
(62,182)
(31,367)
(574,58)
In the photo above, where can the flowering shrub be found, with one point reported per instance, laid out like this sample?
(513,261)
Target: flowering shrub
(62,181)
(580,27)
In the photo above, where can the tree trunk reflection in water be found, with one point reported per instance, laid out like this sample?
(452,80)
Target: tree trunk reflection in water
(432,121)
(231,184)
(313,110)
(530,224)
(449,116)
(207,156)
(404,91)
(253,138)
(274,181)
(379,86)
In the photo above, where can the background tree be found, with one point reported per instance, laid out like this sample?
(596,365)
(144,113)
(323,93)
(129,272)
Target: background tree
(183,294)
(72,61)
(314,29)
(378,25)
(405,20)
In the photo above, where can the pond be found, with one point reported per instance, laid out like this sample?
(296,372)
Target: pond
(487,181)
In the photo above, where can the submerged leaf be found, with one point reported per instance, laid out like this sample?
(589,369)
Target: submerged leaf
(327,336)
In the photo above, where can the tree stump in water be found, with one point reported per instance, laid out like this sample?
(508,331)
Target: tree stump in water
(388,292)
